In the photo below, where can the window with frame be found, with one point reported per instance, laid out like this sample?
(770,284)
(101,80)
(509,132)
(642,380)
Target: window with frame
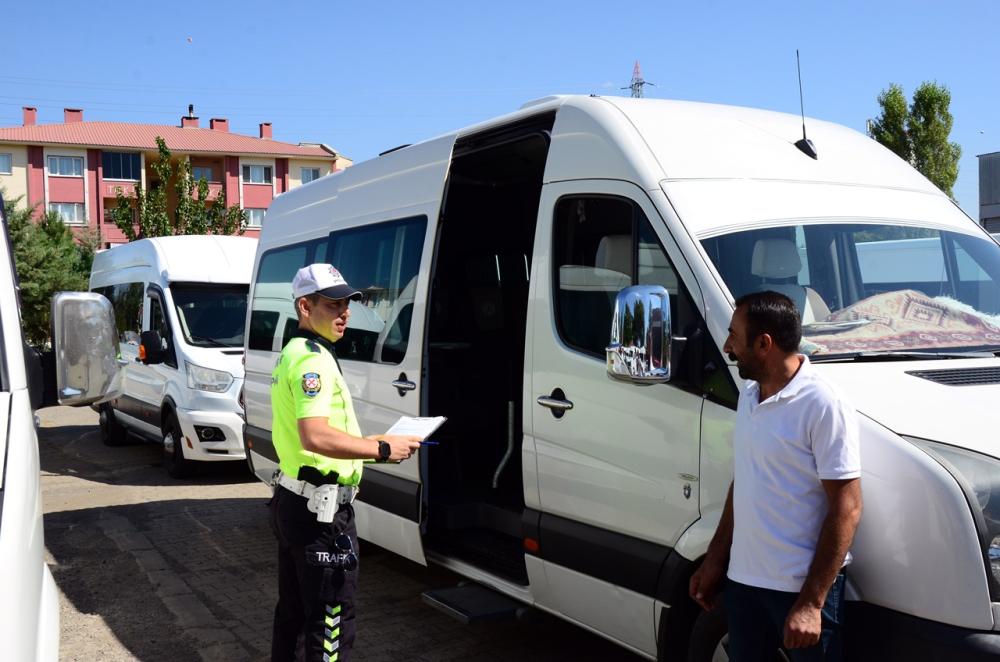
(256,174)
(255,217)
(382,261)
(65,166)
(71,213)
(6,164)
(202,172)
(272,312)
(126,301)
(309,175)
(601,245)
(121,165)
(158,322)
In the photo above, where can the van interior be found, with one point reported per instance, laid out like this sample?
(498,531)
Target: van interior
(475,345)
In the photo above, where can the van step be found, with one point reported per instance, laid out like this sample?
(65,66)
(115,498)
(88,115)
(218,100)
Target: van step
(472,603)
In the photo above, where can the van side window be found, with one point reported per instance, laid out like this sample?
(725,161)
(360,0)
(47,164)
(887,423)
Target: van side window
(272,310)
(126,300)
(382,261)
(601,245)
(592,255)
(158,322)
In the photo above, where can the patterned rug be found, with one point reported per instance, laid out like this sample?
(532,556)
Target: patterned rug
(905,319)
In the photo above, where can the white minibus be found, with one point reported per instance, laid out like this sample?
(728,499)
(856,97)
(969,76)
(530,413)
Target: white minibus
(186,297)
(493,261)
(29,601)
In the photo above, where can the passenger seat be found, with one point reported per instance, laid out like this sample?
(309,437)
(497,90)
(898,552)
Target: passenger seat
(777,263)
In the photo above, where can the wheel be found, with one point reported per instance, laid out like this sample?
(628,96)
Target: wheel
(173,450)
(710,638)
(113,433)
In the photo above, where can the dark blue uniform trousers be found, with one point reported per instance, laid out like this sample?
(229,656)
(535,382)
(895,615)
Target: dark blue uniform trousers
(314,618)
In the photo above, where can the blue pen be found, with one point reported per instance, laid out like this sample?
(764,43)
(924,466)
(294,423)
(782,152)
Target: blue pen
(428,443)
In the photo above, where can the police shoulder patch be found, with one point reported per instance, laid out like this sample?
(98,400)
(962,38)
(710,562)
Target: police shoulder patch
(311,384)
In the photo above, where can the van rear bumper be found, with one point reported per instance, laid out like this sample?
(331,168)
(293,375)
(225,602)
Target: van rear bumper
(877,633)
(229,424)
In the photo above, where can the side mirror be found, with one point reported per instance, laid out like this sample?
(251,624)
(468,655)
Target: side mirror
(640,336)
(85,342)
(150,348)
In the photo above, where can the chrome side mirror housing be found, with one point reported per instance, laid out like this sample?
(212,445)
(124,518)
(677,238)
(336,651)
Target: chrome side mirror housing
(86,347)
(640,336)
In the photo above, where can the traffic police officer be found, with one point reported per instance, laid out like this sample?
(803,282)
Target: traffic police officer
(321,451)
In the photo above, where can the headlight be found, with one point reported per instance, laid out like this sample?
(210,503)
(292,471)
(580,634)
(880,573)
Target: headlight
(979,476)
(206,379)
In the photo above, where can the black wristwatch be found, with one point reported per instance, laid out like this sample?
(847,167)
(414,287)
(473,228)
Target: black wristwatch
(384,450)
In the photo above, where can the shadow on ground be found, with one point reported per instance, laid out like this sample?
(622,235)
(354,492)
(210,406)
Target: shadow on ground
(77,450)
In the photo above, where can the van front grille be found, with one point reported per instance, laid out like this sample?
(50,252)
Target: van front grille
(960,376)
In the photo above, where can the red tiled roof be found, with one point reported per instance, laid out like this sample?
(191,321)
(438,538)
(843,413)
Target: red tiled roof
(143,136)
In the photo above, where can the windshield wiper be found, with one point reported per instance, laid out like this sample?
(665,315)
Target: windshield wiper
(213,341)
(895,355)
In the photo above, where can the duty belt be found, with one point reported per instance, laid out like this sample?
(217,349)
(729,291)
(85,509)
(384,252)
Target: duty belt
(323,500)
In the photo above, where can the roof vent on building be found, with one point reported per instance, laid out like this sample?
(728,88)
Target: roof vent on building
(72,115)
(219,124)
(265,130)
(30,115)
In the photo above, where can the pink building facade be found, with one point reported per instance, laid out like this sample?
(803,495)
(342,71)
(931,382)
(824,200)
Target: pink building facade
(76,168)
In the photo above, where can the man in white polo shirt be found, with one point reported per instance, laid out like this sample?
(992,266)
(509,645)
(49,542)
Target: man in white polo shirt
(795,501)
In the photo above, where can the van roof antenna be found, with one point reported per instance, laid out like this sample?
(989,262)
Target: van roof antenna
(805,145)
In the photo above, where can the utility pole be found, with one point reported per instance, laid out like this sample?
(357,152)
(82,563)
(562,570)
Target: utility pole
(637,82)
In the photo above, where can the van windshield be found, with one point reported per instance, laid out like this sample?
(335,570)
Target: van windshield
(872,288)
(211,315)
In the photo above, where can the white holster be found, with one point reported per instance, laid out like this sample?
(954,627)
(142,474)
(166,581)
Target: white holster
(324,500)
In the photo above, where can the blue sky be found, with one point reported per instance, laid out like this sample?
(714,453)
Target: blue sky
(367,76)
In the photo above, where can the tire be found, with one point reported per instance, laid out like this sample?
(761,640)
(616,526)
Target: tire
(173,449)
(710,638)
(113,433)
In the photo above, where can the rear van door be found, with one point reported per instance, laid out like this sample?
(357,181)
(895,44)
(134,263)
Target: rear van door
(378,231)
(381,358)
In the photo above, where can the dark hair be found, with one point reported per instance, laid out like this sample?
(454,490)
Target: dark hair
(774,314)
(312,298)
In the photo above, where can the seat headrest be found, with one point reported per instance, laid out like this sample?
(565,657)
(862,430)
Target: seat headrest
(614,252)
(775,258)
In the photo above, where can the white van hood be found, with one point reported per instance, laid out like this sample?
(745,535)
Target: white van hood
(964,416)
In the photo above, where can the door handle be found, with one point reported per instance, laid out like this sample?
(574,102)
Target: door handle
(402,384)
(557,402)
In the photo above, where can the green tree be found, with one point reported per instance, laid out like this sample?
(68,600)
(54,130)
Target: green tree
(919,133)
(147,208)
(48,260)
(195,215)
(890,127)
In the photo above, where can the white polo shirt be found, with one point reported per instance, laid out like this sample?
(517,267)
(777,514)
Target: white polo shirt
(782,449)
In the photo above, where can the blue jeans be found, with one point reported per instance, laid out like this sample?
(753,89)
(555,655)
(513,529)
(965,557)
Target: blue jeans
(757,624)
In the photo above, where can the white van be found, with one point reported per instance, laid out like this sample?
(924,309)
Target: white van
(493,261)
(186,296)
(29,601)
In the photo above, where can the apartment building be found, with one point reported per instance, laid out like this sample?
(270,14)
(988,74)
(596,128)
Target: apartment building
(76,167)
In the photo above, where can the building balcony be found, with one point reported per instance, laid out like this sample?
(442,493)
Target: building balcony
(214,189)
(110,188)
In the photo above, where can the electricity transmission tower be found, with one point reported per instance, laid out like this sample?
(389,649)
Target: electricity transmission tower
(637,82)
